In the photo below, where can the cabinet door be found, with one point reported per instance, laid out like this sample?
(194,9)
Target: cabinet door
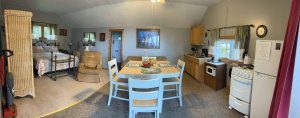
(197,35)
(192,36)
(197,71)
(200,35)
(189,66)
(192,63)
(186,63)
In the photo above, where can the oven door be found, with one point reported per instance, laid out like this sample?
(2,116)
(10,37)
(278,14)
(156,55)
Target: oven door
(241,88)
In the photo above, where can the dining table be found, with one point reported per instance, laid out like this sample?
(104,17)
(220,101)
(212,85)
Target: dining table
(136,72)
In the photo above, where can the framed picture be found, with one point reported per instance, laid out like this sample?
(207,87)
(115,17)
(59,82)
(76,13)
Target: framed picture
(102,36)
(148,38)
(63,32)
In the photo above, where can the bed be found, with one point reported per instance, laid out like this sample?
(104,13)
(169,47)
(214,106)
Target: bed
(60,61)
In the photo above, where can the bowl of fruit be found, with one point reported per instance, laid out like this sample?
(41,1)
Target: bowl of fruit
(149,62)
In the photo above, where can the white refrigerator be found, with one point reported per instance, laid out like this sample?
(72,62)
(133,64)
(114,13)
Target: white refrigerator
(267,58)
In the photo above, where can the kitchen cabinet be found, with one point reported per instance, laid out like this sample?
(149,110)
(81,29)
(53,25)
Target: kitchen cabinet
(195,67)
(197,35)
(192,64)
(219,80)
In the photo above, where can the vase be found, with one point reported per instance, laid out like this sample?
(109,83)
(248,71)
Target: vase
(87,48)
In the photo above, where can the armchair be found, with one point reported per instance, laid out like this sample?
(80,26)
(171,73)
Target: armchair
(90,66)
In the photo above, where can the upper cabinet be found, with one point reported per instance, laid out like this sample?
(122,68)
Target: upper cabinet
(197,35)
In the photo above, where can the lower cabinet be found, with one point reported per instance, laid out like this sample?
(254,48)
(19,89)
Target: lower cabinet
(219,81)
(195,67)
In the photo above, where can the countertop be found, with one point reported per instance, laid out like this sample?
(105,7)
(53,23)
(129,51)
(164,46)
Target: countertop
(217,63)
(198,57)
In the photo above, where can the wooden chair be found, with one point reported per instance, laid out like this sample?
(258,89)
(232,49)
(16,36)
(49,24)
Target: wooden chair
(144,96)
(115,80)
(177,81)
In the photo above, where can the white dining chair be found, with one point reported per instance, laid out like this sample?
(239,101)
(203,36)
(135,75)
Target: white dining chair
(145,96)
(177,81)
(115,80)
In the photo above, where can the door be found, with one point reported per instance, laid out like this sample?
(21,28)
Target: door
(262,93)
(117,47)
(271,63)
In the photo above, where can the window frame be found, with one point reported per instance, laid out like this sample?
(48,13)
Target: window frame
(223,39)
(90,35)
(42,32)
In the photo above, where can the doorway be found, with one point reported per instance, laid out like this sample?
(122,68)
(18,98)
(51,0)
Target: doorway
(116,41)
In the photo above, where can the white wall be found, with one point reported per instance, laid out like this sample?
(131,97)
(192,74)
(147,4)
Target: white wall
(295,96)
(272,13)
(174,43)
(49,18)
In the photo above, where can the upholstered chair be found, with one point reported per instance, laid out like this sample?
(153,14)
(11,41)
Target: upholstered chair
(89,67)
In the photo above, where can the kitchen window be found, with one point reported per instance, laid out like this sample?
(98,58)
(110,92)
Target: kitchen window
(227,48)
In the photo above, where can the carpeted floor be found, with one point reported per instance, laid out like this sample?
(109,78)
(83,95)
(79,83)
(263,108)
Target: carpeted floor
(53,95)
(199,101)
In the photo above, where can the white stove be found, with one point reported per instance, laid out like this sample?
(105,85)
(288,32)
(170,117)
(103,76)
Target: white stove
(240,89)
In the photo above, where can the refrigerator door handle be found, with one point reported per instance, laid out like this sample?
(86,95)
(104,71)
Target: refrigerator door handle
(266,76)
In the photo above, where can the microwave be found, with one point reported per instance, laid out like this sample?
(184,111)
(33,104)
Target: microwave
(211,70)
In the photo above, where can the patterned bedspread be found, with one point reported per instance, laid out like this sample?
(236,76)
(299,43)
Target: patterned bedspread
(41,62)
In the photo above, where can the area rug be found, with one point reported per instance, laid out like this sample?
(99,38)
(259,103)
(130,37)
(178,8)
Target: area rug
(199,101)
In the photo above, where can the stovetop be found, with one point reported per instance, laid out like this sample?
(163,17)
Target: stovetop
(248,67)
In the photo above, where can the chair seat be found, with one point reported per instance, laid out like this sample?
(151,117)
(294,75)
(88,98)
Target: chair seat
(88,70)
(170,80)
(120,80)
(144,102)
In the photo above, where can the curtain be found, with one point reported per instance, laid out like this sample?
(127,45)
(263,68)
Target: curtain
(51,31)
(282,93)
(36,31)
(215,34)
(89,36)
(86,36)
(92,36)
(241,37)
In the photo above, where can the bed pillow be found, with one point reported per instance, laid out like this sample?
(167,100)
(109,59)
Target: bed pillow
(37,49)
(50,48)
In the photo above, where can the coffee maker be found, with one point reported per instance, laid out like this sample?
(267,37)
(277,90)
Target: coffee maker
(204,52)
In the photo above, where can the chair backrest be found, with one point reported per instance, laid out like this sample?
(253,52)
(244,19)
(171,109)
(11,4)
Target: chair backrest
(113,69)
(91,58)
(147,84)
(180,67)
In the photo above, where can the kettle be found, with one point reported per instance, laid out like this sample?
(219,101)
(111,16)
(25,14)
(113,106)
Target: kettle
(247,59)
(204,52)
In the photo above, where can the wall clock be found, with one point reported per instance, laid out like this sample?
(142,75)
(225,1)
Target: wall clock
(261,31)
